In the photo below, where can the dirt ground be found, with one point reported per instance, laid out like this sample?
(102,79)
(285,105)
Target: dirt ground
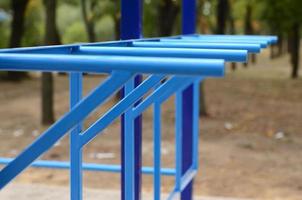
(250,144)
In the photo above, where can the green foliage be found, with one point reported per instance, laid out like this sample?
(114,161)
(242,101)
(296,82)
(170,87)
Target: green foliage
(75,33)
(4,25)
(68,14)
(5,4)
(4,33)
(34,24)
(207,11)
(281,15)
(269,14)
(105,28)
(150,18)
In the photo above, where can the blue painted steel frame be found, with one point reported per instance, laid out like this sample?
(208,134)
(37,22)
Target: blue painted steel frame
(78,113)
(186,101)
(131,26)
(179,55)
(75,149)
(86,58)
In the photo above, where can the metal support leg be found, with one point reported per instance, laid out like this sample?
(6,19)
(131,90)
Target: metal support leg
(129,150)
(196,124)
(157,150)
(131,21)
(188,27)
(179,139)
(75,148)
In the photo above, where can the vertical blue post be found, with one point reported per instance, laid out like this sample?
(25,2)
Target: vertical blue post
(75,149)
(129,150)
(131,25)
(188,27)
(157,150)
(178,138)
(196,125)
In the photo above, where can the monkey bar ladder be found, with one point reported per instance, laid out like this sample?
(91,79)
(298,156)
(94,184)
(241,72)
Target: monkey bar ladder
(181,61)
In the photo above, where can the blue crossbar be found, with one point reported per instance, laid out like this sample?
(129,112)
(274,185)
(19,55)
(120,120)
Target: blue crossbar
(252,48)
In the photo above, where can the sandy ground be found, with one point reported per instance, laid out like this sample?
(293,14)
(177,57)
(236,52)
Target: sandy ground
(250,145)
(43,192)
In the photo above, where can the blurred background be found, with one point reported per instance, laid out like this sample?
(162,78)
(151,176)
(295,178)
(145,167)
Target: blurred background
(250,121)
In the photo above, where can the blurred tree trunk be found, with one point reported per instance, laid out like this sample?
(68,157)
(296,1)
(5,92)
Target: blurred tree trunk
(203,27)
(295,50)
(202,23)
(117,33)
(168,11)
(273,49)
(88,19)
(51,38)
(280,45)
(248,27)
(232,29)
(17,30)
(222,16)
(202,100)
(289,42)
(117,27)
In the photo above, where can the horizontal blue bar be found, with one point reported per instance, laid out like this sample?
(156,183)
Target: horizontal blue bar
(106,64)
(228,55)
(262,43)
(88,166)
(270,38)
(251,48)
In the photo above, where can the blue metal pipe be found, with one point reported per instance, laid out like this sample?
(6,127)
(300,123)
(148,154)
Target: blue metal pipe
(131,28)
(89,166)
(263,43)
(228,55)
(101,64)
(179,136)
(188,26)
(271,38)
(129,150)
(229,38)
(76,186)
(251,48)
(195,146)
(157,150)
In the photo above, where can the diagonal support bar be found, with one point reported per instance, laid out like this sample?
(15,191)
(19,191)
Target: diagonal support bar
(78,113)
(163,92)
(119,109)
